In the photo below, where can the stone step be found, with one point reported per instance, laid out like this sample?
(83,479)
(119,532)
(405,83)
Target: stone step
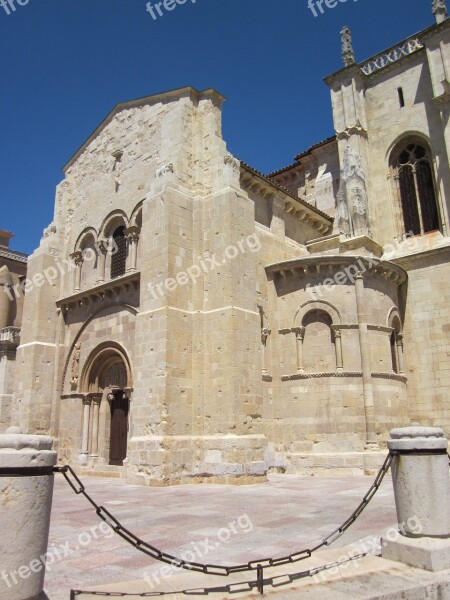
(102,471)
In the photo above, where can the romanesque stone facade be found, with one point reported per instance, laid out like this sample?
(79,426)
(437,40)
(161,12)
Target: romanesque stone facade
(188,318)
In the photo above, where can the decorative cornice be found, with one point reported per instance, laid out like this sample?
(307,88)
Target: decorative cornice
(394,376)
(297,376)
(320,375)
(252,180)
(329,264)
(110,289)
(14,255)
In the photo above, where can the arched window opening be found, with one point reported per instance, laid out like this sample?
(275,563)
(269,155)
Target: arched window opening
(412,166)
(319,353)
(119,258)
(394,356)
(396,343)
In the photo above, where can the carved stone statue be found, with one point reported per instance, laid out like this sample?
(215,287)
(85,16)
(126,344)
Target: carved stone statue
(359,210)
(342,217)
(352,205)
(440,10)
(348,54)
(75,366)
(164,170)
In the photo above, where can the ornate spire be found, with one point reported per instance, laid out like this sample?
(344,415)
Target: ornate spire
(348,54)
(440,10)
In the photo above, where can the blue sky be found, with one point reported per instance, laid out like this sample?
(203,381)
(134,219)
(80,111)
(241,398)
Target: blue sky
(66,63)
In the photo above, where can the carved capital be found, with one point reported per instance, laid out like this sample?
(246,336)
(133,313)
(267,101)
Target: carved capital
(77,258)
(299,333)
(132,233)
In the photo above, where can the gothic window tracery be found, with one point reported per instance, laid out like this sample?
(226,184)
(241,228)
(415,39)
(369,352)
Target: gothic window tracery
(412,165)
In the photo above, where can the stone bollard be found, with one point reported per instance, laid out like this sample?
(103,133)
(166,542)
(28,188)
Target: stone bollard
(26,490)
(420,475)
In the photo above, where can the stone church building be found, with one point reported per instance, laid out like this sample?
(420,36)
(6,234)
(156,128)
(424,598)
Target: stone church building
(188,318)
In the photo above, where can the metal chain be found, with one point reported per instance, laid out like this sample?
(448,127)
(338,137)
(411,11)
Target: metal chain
(232,588)
(211,569)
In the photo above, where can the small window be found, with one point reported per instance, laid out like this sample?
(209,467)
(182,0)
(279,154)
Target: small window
(401,97)
(119,258)
(394,356)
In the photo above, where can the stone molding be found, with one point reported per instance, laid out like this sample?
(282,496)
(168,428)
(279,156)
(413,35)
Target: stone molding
(110,289)
(394,376)
(320,375)
(317,264)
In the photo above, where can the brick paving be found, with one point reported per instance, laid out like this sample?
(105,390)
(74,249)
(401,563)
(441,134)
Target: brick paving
(221,524)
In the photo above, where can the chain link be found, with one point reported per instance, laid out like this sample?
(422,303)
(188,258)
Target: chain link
(212,569)
(232,588)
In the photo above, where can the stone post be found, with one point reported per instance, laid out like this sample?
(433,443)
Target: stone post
(420,474)
(26,484)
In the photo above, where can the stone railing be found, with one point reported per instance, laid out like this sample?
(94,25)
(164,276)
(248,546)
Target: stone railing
(10,334)
(391,56)
(13,255)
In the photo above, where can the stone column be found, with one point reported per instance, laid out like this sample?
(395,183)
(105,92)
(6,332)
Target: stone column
(299,337)
(369,410)
(400,359)
(96,400)
(132,234)
(6,296)
(101,264)
(265,333)
(338,348)
(420,475)
(26,481)
(77,258)
(85,440)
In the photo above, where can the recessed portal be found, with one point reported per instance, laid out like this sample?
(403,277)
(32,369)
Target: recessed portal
(119,427)
(108,384)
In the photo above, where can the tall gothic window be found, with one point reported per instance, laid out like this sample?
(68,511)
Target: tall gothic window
(119,258)
(413,169)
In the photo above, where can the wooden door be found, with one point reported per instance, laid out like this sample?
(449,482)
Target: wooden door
(119,428)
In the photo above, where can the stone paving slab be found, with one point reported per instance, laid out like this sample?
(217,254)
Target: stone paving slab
(223,524)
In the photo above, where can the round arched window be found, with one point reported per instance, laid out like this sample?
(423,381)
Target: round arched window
(119,258)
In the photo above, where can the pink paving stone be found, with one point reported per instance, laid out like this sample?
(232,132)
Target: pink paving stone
(288,513)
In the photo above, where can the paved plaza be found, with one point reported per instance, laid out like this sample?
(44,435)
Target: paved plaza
(218,524)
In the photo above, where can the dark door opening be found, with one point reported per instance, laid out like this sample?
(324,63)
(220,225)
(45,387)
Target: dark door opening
(119,428)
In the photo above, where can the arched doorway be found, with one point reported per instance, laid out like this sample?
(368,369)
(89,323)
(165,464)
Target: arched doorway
(107,380)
